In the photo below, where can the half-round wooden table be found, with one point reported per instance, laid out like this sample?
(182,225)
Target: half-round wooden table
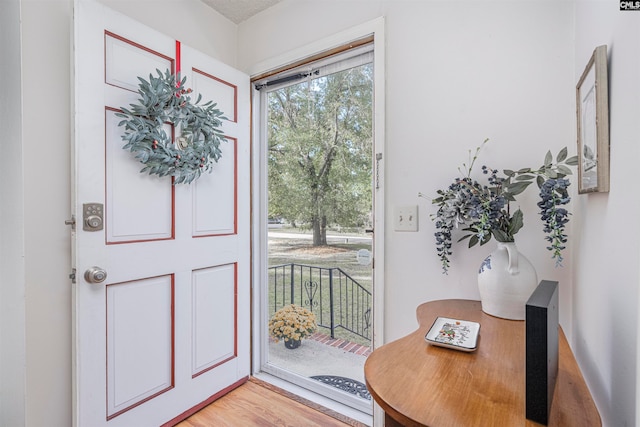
(418,384)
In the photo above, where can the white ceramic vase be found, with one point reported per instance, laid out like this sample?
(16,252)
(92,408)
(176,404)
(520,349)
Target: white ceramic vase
(506,280)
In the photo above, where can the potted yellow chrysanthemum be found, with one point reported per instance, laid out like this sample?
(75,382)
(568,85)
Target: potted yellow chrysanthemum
(292,323)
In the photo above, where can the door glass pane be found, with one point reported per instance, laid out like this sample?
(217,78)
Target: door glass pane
(320,140)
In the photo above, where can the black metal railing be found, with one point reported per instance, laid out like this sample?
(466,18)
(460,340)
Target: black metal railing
(338,300)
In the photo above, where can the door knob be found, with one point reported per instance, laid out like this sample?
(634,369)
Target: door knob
(95,275)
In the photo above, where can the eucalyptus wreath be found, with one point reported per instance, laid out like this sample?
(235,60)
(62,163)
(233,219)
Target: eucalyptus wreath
(165,100)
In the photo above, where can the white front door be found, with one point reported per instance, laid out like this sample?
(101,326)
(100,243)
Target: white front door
(168,330)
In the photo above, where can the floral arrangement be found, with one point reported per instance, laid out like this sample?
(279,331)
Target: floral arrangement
(292,323)
(482,211)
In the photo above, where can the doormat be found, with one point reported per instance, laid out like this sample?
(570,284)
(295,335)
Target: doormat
(345,384)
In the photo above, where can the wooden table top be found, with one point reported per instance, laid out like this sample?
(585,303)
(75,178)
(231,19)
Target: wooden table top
(418,384)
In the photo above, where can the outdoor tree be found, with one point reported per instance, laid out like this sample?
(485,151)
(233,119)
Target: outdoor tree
(320,145)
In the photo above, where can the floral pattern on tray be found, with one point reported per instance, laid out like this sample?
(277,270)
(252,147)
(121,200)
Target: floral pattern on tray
(454,333)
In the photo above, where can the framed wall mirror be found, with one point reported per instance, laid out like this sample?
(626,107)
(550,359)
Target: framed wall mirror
(592,101)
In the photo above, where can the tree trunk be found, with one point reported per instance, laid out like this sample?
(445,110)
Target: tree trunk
(323,229)
(319,231)
(319,227)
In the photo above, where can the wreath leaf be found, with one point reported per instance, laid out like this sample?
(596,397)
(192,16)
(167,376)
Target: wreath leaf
(164,100)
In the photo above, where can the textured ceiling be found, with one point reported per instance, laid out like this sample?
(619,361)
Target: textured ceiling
(240,10)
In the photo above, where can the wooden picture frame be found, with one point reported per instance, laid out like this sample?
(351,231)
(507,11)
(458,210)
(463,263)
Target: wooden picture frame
(592,101)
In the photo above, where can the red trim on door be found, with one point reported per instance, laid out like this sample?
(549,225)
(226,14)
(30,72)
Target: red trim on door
(235,185)
(132,43)
(235,194)
(173,350)
(178,57)
(199,406)
(235,324)
(173,191)
(222,362)
(235,92)
(235,303)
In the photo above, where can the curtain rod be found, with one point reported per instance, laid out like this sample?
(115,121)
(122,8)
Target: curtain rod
(286,79)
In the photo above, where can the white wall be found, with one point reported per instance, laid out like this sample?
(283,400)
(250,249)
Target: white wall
(189,21)
(606,261)
(458,72)
(45,133)
(46,64)
(12,308)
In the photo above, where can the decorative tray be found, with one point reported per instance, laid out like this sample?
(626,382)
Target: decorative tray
(453,333)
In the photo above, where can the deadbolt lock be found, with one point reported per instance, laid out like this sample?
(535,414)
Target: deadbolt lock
(92,216)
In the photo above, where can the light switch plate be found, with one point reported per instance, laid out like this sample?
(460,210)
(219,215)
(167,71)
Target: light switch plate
(406,218)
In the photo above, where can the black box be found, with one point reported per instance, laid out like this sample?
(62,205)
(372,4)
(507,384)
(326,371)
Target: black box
(541,351)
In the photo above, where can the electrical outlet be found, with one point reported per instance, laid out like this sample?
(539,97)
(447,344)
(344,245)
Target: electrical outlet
(406,218)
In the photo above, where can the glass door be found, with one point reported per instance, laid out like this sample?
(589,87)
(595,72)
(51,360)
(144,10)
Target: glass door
(318,300)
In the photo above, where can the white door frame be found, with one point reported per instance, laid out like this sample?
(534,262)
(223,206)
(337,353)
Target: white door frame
(260,194)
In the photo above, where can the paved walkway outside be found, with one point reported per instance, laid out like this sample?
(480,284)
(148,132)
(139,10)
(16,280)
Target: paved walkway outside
(321,355)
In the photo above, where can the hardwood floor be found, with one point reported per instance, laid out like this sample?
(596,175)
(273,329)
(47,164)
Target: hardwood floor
(257,403)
